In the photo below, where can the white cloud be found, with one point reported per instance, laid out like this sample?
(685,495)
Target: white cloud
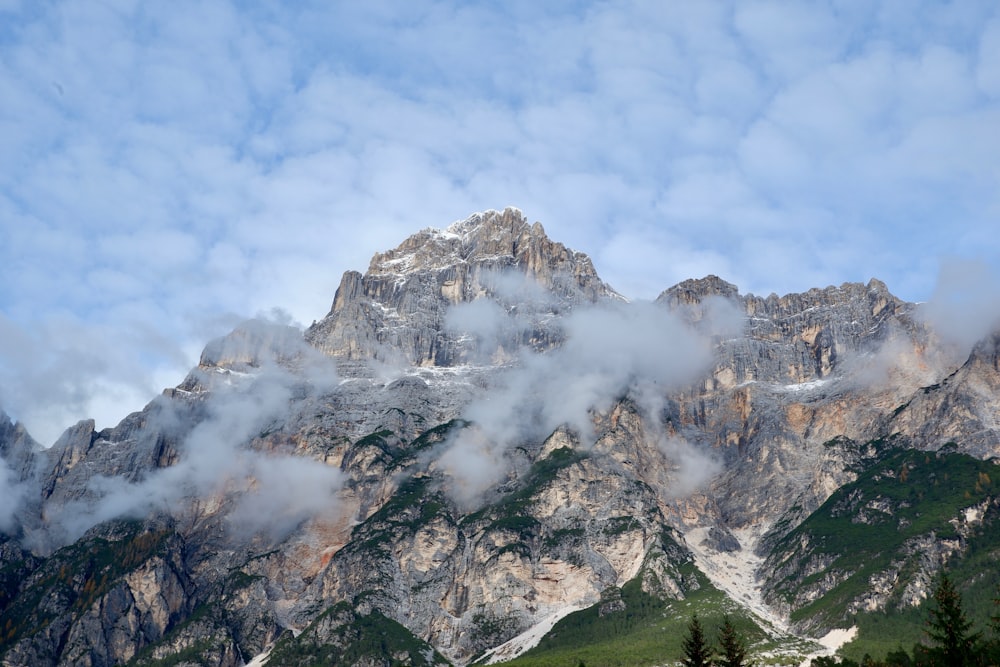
(965,305)
(215,459)
(176,162)
(638,349)
(12,494)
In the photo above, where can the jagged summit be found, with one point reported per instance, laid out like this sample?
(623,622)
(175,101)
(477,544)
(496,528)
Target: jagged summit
(474,221)
(499,240)
(398,310)
(695,290)
(490,236)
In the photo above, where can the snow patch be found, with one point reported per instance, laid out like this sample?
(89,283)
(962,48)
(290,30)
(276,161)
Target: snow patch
(387,312)
(802,386)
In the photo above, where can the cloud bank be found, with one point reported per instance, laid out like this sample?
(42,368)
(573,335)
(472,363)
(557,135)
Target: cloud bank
(260,491)
(161,165)
(637,349)
(12,494)
(965,305)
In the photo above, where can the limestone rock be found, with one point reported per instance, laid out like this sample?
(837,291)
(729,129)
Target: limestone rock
(804,391)
(397,310)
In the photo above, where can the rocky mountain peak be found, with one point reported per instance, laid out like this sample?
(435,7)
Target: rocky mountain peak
(251,344)
(399,310)
(482,237)
(491,240)
(308,513)
(693,291)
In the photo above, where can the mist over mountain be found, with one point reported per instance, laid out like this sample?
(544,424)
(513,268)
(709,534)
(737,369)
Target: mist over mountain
(482,441)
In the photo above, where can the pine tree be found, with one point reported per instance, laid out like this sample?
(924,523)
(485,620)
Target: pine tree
(992,648)
(734,650)
(949,629)
(697,652)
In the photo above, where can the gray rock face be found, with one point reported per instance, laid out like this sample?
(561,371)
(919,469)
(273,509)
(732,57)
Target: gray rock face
(798,337)
(398,309)
(961,407)
(578,524)
(17,448)
(793,374)
(799,388)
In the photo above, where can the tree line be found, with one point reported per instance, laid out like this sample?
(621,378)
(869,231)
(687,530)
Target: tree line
(952,640)
(698,652)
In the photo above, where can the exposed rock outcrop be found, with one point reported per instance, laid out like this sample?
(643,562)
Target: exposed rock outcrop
(397,309)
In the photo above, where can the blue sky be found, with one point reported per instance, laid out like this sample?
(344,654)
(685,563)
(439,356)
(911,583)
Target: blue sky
(168,169)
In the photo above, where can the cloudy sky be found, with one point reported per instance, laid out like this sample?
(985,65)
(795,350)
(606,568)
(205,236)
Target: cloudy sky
(168,169)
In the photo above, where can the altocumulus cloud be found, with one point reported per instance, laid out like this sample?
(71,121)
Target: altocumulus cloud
(168,170)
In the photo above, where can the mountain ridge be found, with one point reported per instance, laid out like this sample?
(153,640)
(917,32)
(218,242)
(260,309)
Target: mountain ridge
(468,446)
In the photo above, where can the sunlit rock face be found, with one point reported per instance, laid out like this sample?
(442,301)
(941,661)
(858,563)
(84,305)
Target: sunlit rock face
(961,407)
(410,454)
(518,279)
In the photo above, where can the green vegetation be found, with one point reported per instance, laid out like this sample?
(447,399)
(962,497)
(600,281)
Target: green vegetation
(511,511)
(617,525)
(732,648)
(438,434)
(561,536)
(975,577)
(385,442)
(952,640)
(949,637)
(864,527)
(12,574)
(201,652)
(75,577)
(877,524)
(414,504)
(342,636)
(648,630)
(402,456)
(377,439)
(697,652)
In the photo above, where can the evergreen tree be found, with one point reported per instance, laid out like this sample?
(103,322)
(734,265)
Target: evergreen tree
(697,652)
(954,643)
(731,645)
(992,648)
(898,658)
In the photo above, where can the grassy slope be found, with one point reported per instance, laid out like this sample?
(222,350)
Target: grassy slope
(976,575)
(649,631)
(925,490)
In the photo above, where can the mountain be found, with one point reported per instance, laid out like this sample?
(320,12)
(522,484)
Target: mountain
(484,452)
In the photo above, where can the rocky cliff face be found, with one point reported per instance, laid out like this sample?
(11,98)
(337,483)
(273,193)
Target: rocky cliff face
(961,407)
(796,338)
(398,309)
(311,482)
